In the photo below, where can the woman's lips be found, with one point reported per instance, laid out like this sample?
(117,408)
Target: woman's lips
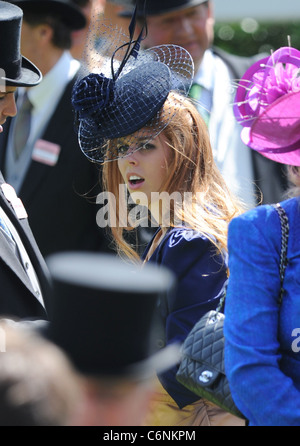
(135,181)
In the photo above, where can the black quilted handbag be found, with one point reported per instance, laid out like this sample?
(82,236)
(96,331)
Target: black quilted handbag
(202,368)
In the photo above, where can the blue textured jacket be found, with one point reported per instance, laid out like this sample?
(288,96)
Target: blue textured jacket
(262,341)
(201,274)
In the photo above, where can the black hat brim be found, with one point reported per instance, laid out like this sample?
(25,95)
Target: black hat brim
(164,7)
(30,75)
(70,14)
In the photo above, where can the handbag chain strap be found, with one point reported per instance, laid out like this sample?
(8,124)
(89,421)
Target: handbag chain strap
(222,299)
(284,245)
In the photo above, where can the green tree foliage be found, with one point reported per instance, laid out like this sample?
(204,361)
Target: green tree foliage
(250,37)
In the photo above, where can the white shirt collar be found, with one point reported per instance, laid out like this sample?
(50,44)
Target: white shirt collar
(62,72)
(205,74)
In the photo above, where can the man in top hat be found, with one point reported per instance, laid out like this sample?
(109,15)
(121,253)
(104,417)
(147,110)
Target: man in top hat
(105,320)
(190,24)
(24,277)
(55,181)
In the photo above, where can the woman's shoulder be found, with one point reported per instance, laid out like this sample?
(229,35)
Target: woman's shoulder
(180,242)
(183,235)
(186,244)
(185,248)
(263,223)
(266,213)
(292,206)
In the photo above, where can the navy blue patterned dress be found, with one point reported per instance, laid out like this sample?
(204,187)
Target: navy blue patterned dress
(201,273)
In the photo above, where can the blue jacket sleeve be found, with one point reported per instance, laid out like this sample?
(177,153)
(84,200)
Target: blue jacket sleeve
(253,353)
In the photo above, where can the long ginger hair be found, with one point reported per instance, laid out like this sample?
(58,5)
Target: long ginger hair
(191,169)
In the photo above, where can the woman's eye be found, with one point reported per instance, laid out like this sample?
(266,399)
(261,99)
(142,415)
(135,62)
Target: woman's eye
(148,147)
(123,149)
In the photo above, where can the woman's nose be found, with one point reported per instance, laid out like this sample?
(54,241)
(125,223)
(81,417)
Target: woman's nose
(132,157)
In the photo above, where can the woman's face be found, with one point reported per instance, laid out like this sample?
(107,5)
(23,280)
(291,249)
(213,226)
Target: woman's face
(145,170)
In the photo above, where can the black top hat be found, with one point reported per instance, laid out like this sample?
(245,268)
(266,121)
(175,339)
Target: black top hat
(15,69)
(70,14)
(103,314)
(155,7)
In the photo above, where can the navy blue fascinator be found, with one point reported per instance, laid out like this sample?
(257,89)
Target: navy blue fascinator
(119,104)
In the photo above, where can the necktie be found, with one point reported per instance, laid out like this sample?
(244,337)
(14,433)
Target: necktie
(197,93)
(22,125)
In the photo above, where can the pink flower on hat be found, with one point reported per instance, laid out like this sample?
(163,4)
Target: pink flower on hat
(281,79)
(268,106)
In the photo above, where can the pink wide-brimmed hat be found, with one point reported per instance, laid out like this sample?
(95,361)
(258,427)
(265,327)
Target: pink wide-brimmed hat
(267,105)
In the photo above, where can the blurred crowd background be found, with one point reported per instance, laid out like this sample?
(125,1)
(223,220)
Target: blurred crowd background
(248,28)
